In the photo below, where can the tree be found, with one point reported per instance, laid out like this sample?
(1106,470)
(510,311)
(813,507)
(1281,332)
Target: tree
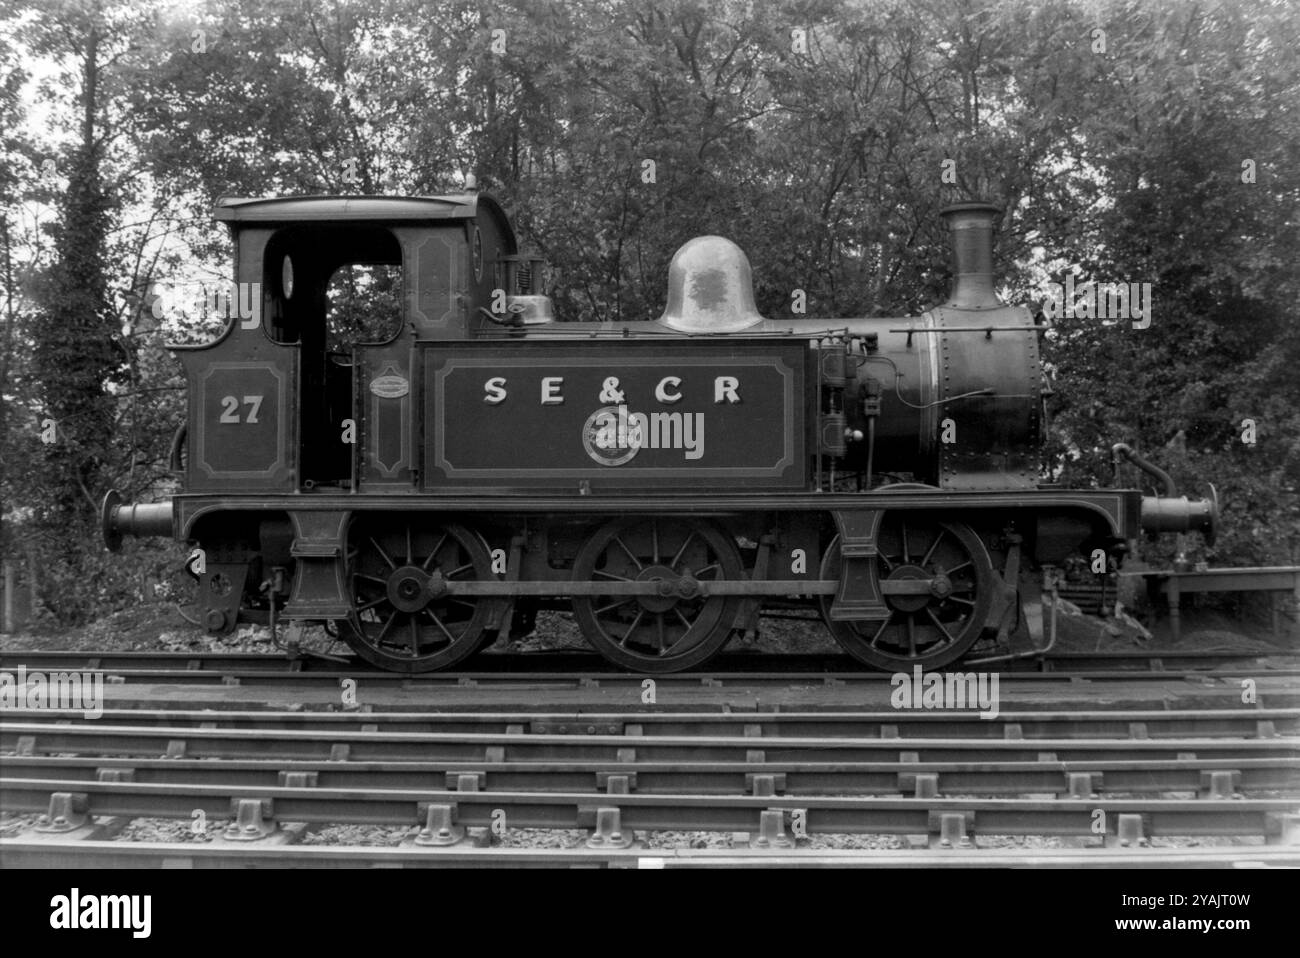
(1191,94)
(77,362)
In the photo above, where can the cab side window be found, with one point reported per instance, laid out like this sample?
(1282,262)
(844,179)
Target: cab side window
(363,303)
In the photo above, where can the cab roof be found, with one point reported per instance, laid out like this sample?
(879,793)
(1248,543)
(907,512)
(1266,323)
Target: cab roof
(292,209)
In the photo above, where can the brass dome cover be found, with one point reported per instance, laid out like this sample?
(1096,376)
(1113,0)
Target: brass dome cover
(710,288)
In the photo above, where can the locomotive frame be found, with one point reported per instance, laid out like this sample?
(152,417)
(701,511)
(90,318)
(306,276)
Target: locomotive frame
(667,478)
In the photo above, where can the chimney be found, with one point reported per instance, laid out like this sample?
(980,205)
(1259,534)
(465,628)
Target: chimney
(971,226)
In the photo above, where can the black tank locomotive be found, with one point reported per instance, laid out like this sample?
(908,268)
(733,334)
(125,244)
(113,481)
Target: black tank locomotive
(424,492)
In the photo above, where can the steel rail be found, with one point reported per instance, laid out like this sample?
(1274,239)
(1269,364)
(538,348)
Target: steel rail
(99,739)
(551,697)
(1120,723)
(1100,776)
(10,659)
(433,680)
(1210,655)
(55,853)
(585,662)
(817,814)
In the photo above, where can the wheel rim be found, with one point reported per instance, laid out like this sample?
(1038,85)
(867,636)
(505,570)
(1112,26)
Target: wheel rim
(930,628)
(403,618)
(674,629)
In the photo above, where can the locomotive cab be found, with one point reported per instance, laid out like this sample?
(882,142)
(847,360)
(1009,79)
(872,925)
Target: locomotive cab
(314,389)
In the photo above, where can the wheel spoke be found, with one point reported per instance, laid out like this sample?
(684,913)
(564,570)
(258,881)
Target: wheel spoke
(458,570)
(942,628)
(630,555)
(879,632)
(685,621)
(371,604)
(434,554)
(631,628)
(382,554)
(956,568)
(410,556)
(387,625)
(700,572)
(415,637)
(934,545)
(438,622)
(907,558)
(372,578)
(682,551)
(654,541)
(659,620)
(610,575)
(911,636)
(953,598)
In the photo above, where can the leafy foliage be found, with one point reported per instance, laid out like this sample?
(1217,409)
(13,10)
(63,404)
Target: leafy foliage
(815,133)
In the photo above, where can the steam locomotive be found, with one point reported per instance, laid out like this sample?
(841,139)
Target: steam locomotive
(426,490)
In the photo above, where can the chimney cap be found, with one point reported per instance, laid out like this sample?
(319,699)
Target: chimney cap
(952,214)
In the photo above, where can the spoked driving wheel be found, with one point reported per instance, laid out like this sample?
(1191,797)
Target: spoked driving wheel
(405,617)
(936,581)
(674,627)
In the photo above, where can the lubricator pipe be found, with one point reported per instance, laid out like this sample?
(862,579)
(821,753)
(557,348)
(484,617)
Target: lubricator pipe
(1172,512)
(1150,468)
(117,520)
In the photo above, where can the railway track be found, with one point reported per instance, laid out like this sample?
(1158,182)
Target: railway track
(861,724)
(706,765)
(576,665)
(1117,765)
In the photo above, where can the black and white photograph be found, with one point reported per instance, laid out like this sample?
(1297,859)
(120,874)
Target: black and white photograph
(717,436)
